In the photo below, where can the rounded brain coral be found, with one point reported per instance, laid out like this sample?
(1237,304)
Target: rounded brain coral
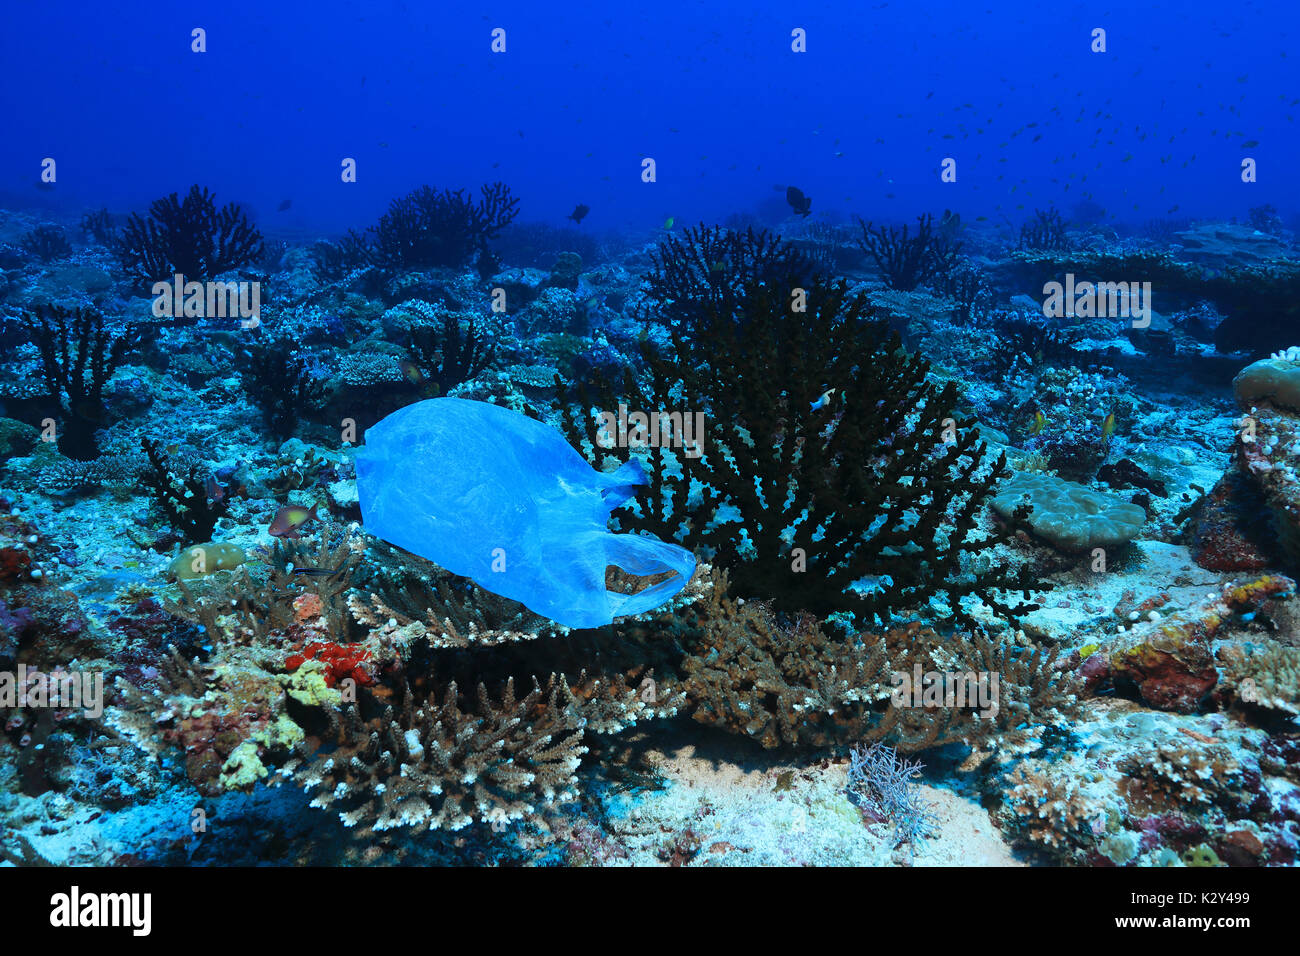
(1272,381)
(1069,515)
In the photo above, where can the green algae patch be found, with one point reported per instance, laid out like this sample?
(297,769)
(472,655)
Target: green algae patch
(243,768)
(307,686)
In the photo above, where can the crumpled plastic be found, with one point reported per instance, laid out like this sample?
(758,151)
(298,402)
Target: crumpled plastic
(503,499)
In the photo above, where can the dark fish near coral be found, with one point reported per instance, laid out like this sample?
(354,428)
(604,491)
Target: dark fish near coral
(213,490)
(285,204)
(289,519)
(579,213)
(318,572)
(801,204)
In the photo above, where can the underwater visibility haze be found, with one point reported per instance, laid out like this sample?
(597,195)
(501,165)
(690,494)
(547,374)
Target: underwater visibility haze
(683,434)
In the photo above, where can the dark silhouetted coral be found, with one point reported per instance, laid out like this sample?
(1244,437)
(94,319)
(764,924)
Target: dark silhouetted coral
(427,228)
(183,497)
(905,260)
(449,354)
(47,243)
(189,237)
(843,462)
(79,353)
(282,383)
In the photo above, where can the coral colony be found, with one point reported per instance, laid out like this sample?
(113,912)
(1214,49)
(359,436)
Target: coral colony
(380,522)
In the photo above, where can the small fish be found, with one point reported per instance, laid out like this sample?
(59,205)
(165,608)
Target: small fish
(289,519)
(1250,143)
(579,213)
(410,371)
(801,204)
(1038,422)
(1198,736)
(668,224)
(822,402)
(213,490)
(285,205)
(1108,427)
(318,572)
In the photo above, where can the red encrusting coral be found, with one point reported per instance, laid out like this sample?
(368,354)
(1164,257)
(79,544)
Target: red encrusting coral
(341,662)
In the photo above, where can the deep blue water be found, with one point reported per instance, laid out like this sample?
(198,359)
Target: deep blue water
(1155,126)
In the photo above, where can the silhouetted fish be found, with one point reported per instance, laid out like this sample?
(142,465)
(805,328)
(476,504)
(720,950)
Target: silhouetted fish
(284,205)
(801,204)
(579,213)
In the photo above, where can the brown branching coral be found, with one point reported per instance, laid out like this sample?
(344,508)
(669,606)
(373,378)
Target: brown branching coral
(1263,676)
(1058,812)
(428,763)
(619,675)
(1175,773)
(792,685)
(1153,789)
(453,613)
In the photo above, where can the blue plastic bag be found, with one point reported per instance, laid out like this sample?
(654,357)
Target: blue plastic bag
(498,497)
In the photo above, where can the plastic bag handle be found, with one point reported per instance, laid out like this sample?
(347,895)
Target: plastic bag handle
(642,556)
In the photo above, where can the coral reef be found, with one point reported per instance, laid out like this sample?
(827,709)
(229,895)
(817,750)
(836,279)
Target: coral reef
(427,228)
(906,261)
(1066,514)
(841,458)
(793,685)
(189,237)
(79,353)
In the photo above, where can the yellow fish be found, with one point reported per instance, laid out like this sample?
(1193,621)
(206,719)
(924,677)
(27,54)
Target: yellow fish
(1108,427)
(1037,424)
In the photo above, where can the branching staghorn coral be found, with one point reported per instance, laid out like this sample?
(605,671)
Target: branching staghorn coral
(431,763)
(792,685)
